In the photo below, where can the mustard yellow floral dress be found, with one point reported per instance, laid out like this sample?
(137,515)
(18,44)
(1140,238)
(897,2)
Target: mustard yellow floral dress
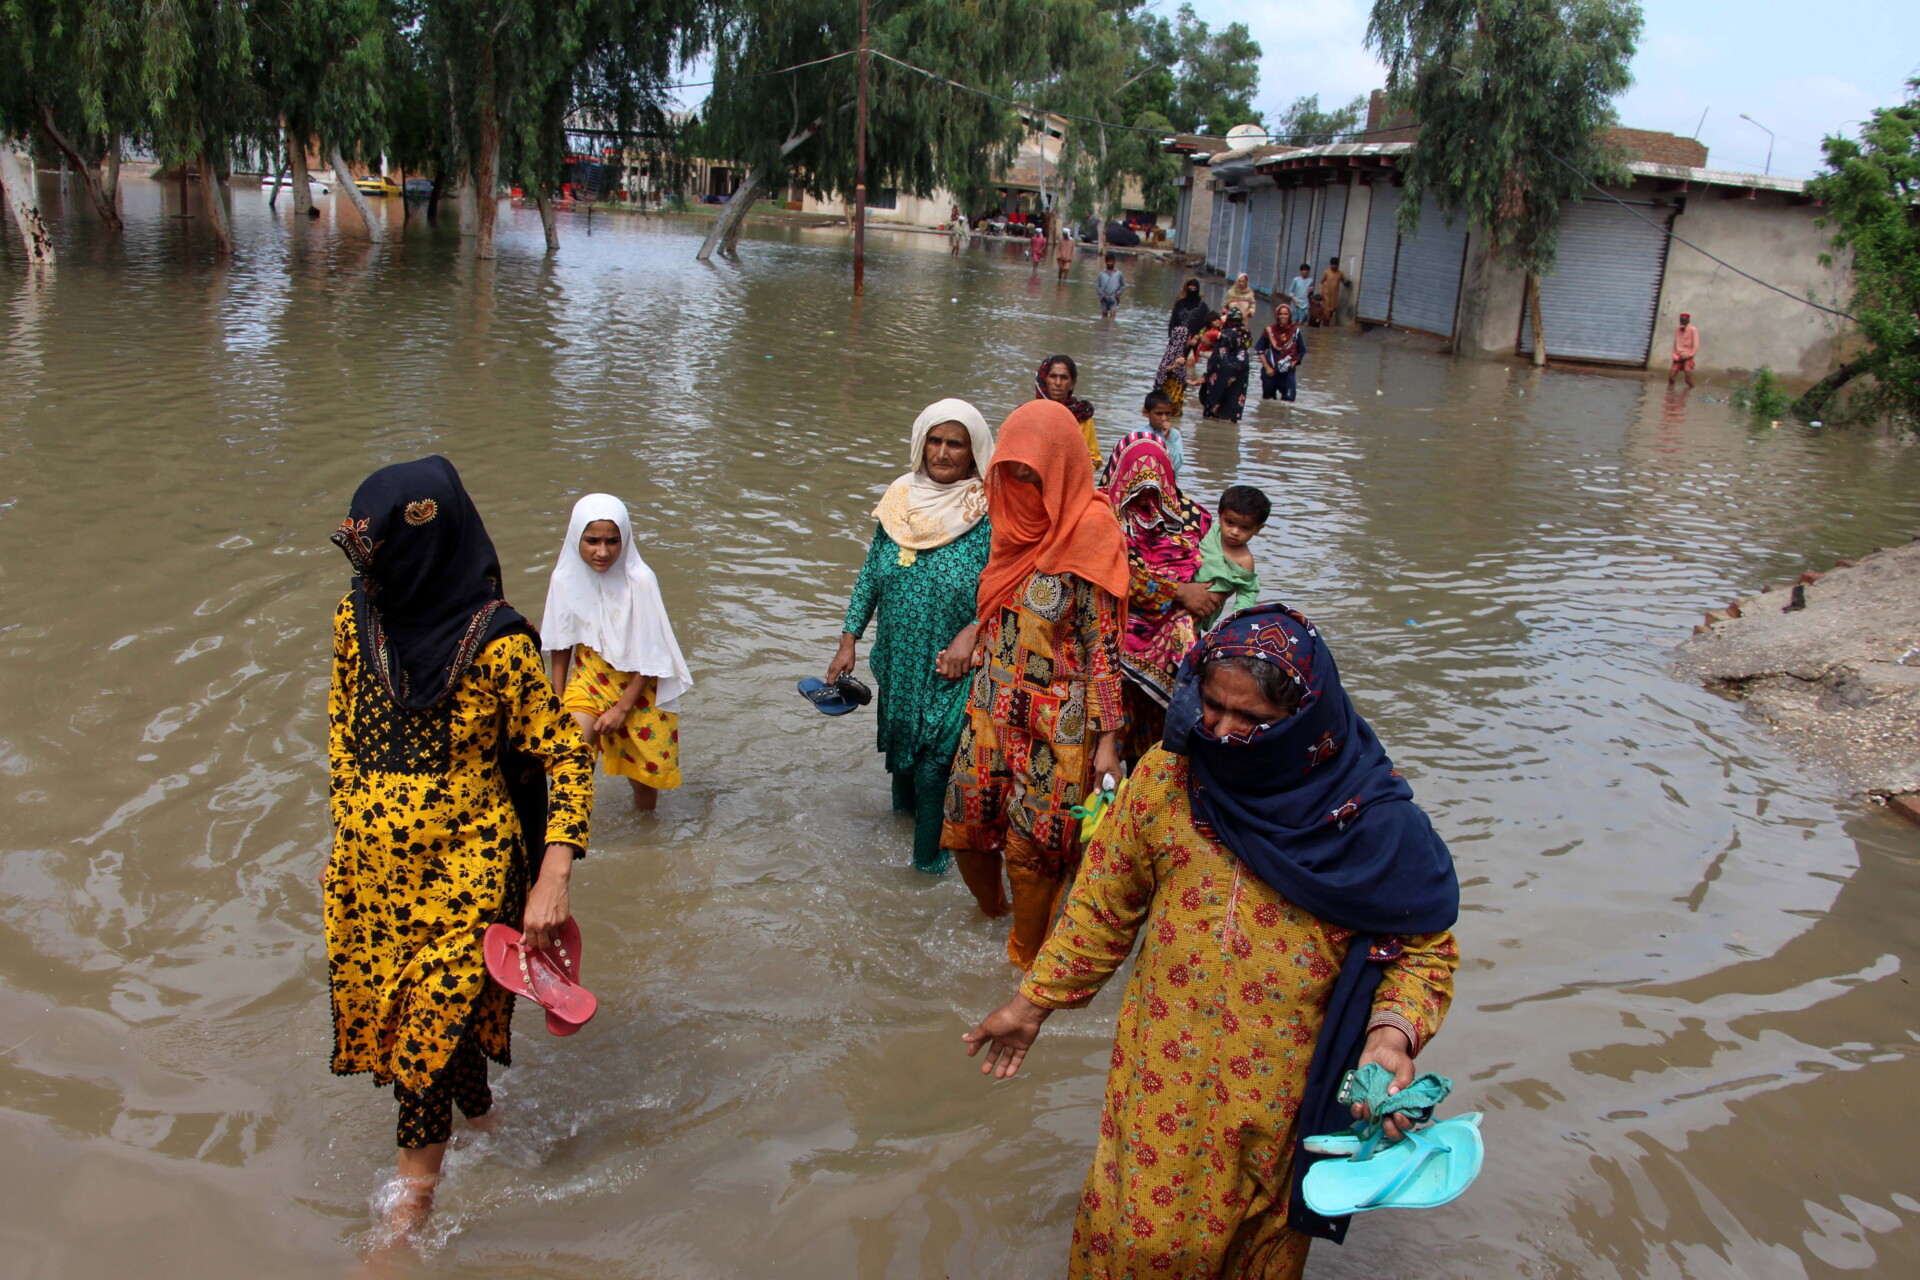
(427,852)
(646,747)
(1190,1178)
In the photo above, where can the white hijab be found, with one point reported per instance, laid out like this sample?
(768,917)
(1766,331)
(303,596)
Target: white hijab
(618,614)
(917,511)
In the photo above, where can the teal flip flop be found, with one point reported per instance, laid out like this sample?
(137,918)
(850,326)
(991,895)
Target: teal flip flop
(1424,1170)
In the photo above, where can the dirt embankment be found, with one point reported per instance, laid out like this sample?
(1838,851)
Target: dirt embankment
(1833,663)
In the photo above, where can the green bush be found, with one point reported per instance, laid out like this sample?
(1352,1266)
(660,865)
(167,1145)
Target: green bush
(1764,397)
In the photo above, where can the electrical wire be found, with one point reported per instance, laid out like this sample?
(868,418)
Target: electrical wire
(1671,234)
(756,75)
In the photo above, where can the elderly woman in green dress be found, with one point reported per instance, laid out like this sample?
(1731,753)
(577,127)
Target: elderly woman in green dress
(920,577)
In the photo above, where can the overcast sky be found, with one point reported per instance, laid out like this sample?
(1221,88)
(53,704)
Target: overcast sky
(1802,70)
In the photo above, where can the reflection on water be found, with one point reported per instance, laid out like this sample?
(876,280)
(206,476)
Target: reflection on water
(1686,1005)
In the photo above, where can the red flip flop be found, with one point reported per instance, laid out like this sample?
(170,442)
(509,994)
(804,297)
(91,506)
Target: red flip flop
(544,975)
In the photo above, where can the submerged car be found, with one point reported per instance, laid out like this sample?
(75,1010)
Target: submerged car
(284,182)
(377,184)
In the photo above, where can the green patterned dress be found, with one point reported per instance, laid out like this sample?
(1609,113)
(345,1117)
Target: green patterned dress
(924,599)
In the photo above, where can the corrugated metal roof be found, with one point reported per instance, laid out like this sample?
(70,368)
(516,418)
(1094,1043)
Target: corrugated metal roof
(1641,168)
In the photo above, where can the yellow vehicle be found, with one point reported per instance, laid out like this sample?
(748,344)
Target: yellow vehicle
(377,184)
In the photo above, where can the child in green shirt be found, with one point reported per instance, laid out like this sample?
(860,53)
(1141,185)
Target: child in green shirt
(1226,563)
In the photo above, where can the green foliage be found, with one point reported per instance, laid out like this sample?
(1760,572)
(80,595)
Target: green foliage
(1763,397)
(1869,189)
(1306,125)
(1505,91)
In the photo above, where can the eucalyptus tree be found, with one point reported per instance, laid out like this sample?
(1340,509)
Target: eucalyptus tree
(796,126)
(323,66)
(514,72)
(1514,100)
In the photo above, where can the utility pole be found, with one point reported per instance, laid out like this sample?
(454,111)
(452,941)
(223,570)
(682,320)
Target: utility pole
(860,168)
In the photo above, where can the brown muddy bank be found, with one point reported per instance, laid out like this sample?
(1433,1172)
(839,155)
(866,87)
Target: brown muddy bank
(1832,664)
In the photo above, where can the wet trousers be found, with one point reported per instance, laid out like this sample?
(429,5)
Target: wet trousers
(922,792)
(1038,881)
(1285,384)
(427,1118)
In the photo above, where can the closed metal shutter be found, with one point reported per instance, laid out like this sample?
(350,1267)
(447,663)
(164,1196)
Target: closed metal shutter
(1217,233)
(1264,236)
(1599,302)
(1331,226)
(1426,275)
(1236,237)
(1375,300)
(1184,220)
(1299,227)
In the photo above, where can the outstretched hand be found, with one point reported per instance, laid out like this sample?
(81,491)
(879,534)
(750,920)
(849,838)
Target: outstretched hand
(1389,1047)
(1006,1034)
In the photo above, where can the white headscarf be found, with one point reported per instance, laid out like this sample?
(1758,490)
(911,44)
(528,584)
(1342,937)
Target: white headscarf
(917,511)
(618,614)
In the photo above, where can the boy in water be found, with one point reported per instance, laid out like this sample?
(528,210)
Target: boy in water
(1110,284)
(1226,564)
(1158,409)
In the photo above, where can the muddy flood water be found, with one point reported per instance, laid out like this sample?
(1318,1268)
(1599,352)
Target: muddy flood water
(1686,1005)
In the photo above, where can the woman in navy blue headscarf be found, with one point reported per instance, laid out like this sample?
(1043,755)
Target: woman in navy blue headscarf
(1293,908)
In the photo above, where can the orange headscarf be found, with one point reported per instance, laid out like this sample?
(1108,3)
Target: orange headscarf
(1065,525)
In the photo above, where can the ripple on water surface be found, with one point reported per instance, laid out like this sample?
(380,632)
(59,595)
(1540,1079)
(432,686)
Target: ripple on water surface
(1685,997)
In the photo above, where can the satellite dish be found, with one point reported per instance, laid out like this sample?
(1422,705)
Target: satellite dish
(1246,135)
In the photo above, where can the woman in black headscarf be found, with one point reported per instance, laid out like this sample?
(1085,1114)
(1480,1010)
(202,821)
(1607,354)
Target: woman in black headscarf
(1190,310)
(460,796)
(1224,393)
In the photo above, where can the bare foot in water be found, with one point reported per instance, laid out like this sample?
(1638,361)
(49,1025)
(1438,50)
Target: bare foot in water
(488,1123)
(404,1205)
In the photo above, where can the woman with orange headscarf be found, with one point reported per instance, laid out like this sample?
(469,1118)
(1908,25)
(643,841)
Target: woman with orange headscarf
(1044,713)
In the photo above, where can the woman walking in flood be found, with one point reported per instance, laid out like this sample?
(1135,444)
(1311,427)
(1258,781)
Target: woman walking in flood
(1292,906)
(460,795)
(612,652)
(1057,378)
(1224,393)
(1163,530)
(921,576)
(1044,710)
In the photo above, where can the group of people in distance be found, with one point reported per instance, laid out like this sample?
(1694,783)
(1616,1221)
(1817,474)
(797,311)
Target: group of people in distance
(1080,702)
(1212,355)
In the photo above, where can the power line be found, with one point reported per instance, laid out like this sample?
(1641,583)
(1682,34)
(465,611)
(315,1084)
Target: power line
(1671,234)
(756,75)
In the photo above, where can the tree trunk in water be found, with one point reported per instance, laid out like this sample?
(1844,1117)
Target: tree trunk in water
(110,181)
(468,207)
(343,177)
(1539,328)
(725,232)
(273,189)
(1814,402)
(433,199)
(302,180)
(101,205)
(216,206)
(24,203)
(545,204)
(487,180)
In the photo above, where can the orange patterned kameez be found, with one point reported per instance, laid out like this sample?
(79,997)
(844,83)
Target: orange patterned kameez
(1190,1178)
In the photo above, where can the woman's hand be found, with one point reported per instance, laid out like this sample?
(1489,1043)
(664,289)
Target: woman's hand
(1389,1047)
(608,721)
(842,664)
(956,659)
(1197,600)
(547,905)
(1006,1034)
(1106,761)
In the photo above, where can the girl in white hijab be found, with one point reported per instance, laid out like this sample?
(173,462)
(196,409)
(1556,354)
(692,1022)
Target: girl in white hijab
(921,575)
(611,651)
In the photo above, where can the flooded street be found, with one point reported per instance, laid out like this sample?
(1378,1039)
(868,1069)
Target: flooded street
(1686,1003)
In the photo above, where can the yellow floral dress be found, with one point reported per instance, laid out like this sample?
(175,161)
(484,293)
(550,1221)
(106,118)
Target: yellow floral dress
(1190,1177)
(427,852)
(646,747)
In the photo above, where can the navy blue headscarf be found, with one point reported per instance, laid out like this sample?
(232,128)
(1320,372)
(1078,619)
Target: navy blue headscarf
(1313,806)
